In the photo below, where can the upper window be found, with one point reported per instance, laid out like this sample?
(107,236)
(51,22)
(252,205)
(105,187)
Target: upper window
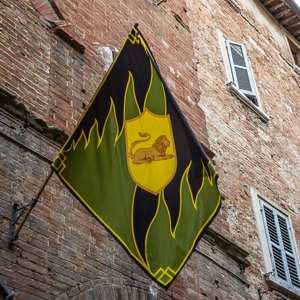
(279,247)
(240,79)
(295,52)
(241,71)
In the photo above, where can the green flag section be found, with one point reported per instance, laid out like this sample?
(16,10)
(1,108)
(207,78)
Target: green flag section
(135,164)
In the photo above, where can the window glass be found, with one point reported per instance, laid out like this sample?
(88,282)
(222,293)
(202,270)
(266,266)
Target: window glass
(243,79)
(237,55)
(240,68)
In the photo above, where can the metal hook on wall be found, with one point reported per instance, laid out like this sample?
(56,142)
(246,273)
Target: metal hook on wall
(160,2)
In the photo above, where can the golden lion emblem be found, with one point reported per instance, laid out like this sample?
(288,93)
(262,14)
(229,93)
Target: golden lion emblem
(155,153)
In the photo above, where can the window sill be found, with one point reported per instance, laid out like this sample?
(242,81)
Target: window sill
(234,91)
(292,292)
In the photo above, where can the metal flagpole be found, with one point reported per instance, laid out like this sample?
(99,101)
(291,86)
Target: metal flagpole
(17,211)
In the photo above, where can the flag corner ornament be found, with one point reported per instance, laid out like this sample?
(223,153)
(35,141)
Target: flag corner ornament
(135,164)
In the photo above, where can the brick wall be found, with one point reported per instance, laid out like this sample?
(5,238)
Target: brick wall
(49,57)
(249,151)
(55,81)
(64,253)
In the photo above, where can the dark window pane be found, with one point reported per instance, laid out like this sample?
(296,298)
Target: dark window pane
(243,79)
(237,55)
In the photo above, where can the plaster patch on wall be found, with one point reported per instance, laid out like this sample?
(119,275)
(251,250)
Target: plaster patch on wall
(232,215)
(191,100)
(176,73)
(106,55)
(165,44)
(171,83)
(205,3)
(153,290)
(172,70)
(256,46)
(263,135)
(288,108)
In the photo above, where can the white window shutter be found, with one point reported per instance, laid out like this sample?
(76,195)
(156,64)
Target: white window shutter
(241,70)
(281,246)
(275,248)
(289,251)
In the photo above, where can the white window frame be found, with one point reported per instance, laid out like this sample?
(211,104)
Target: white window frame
(247,68)
(270,275)
(293,46)
(231,80)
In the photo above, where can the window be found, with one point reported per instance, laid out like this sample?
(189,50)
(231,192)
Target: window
(279,247)
(240,81)
(295,52)
(240,68)
(282,251)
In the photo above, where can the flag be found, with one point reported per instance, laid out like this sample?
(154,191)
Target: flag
(135,164)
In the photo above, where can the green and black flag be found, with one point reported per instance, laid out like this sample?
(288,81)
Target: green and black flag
(135,164)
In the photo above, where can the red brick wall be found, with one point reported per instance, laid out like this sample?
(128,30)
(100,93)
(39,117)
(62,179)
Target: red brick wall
(249,152)
(62,252)
(49,76)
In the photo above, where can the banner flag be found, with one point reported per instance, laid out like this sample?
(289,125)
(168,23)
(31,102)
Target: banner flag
(135,164)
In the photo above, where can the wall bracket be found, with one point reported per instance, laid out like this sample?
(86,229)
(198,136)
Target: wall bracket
(16,214)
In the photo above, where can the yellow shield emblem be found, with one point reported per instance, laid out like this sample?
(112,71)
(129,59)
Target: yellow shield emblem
(151,154)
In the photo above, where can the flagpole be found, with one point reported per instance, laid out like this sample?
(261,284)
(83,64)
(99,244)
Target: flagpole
(14,231)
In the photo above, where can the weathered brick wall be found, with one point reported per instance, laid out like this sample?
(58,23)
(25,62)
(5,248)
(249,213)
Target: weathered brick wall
(62,252)
(249,152)
(56,82)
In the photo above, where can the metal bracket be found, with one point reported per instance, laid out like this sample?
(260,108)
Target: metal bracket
(160,2)
(16,214)
(267,275)
(18,211)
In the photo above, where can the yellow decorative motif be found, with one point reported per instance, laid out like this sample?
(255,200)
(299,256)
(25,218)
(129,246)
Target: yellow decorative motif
(150,176)
(134,36)
(164,276)
(154,153)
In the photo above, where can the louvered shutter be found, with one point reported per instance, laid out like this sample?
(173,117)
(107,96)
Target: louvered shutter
(289,251)
(281,247)
(275,248)
(241,71)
